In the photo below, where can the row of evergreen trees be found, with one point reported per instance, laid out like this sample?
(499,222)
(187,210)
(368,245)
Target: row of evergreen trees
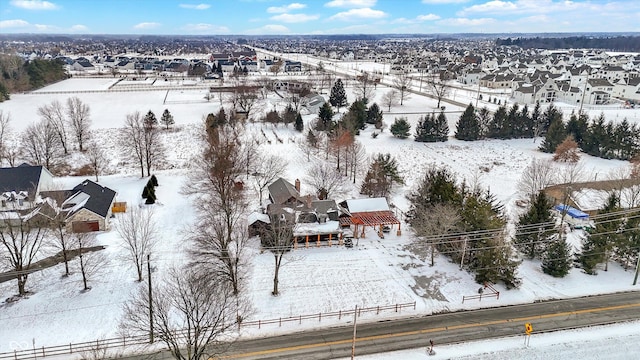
(596,137)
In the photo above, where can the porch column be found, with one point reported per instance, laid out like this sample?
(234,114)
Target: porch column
(318,242)
(306,241)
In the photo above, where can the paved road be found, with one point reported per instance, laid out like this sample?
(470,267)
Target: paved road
(449,328)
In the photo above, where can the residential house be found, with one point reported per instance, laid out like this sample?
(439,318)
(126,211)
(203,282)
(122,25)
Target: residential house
(89,207)
(20,186)
(627,89)
(312,103)
(598,91)
(82,64)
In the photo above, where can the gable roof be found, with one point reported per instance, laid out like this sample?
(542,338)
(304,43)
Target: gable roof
(281,190)
(93,197)
(367,204)
(22,178)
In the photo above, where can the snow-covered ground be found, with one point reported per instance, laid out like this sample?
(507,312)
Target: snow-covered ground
(375,272)
(616,342)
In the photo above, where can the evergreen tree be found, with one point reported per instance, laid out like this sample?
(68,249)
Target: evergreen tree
(495,262)
(441,127)
(325,118)
(151,196)
(535,227)
(528,126)
(598,246)
(514,128)
(557,259)
(299,126)
(550,115)
(400,128)
(595,137)
(497,123)
(536,120)
(338,97)
(150,120)
(4,93)
(357,114)
(167,119)
(484,118)
(289,115)
(554,136)
(627,248)
(422,129)
(153,180)
(389,166)
(374,114)
(468,128)
(578,126)
(437,187)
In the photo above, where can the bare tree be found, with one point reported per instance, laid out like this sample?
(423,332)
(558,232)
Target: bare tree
(278,239)
(4,134)
(41,144)
(78,114)
(141,141)
(218,241)
(276,67)
(137,229)
(266,85)
(402,82)
(570,173)
(90,259)
(244,97)
(213,179)
(53,114)
(323,176)
(97,159)
(356,159)
(21,239)
(438,86)
(190,313)
(132,138)
(365,85)
(58,224)
(390,98)
(269,168)
(431,224)
(538,175)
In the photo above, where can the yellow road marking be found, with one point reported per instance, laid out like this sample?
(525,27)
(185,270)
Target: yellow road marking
(431,330)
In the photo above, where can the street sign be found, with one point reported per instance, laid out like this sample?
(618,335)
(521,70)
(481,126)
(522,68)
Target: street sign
(528,328)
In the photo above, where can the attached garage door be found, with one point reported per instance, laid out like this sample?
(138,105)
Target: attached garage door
(85,226)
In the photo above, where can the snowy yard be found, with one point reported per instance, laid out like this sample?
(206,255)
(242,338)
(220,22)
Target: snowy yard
(374,272)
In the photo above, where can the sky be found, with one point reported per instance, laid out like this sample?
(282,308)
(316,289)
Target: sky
(261,17)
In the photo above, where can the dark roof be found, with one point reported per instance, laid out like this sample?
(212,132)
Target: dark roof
(21,178)
(281,190)
(100,197)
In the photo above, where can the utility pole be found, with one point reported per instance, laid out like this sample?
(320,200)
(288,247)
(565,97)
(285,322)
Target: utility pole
(584,90)
(464,249)
(635,278)
(150,299)
(353,342)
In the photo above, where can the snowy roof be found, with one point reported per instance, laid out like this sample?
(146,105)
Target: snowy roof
(256,216)
(329,227)
(368,204)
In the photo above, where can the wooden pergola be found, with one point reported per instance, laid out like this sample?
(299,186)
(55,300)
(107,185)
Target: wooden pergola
(375,219)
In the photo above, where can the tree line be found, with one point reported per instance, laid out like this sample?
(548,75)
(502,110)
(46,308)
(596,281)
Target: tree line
(19,75)
(597,137)
(617,43)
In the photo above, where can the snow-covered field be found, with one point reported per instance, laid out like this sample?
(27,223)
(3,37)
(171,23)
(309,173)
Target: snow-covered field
(375,272)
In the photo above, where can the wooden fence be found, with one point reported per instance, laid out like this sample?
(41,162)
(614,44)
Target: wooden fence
(484,293)
(32,352)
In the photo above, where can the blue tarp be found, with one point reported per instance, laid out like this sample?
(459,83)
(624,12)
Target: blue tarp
(573,212)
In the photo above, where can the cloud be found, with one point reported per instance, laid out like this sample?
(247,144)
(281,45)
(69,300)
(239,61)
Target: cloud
(363,13)
(42,27)
(493,6)
(466,21)
(437,2)
(205,28)
(269,29)
(146,25)
(79,27)
(294,18)
(16,23)
(351,3)
(34,4)
(428,17)
(534,7)
(286,8)
(418,19)
(195,7)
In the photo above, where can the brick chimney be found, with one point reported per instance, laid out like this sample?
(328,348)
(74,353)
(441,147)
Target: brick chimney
(297,185)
